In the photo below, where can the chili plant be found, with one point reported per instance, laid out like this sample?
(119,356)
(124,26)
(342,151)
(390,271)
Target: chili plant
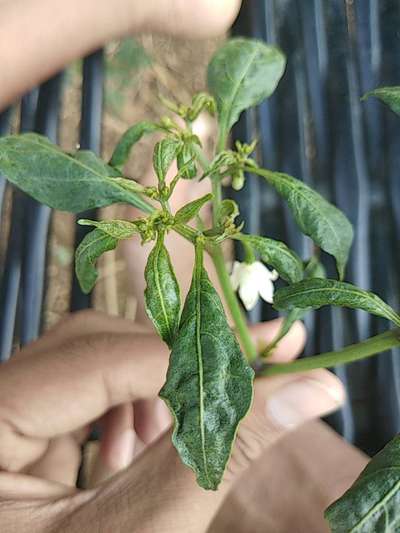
(209,384)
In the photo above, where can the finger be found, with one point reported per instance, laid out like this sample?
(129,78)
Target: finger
(117,444)
(87,322)
(152,418)
(60,463)
(48,47)
(281,404)
(72,386)
(288,348)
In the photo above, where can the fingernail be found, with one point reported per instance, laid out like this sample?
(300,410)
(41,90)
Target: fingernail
(301,400)
(123,449)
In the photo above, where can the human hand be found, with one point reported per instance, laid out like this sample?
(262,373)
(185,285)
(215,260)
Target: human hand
(92,365)
(55,32)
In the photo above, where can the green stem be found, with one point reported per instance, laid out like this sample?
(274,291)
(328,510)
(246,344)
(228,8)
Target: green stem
(233,304)
(379,343)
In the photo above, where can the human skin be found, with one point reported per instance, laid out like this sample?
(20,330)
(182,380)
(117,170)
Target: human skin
(91,365)
(40,37)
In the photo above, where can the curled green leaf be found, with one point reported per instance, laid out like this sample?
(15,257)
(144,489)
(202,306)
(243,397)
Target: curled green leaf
(165,152)
(118,229)
(209,383)
(372,503)
(241,74)
(388,95)
(190,210)
(275,253)
(74,183)
(186,161)
(327,226)
(90,249)
(133,135)
(162,296)
(317,292)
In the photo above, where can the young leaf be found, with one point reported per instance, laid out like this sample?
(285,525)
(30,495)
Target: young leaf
(186,161)
(317,292)
(118,229)
(190,210)
(90,249)
(388,95)
(162,297)
(242,73)
(128,140)
(165,152)
(278,255)
(209,383)
(372,503)
(67,182)
(327,226)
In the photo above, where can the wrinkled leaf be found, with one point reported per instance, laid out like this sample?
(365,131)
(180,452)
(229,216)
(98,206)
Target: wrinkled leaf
(186,161)
(327,226)
(67,182)
(118,229)
(128,140)
(278,255)
(190,210)
(162,297)
(388,95)
(372,503)
(209,383)
(90,249)
(165,152)
(241,74)
(317,292)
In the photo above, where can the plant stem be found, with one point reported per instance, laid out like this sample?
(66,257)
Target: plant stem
(233,304)
(219,263)
(354,352)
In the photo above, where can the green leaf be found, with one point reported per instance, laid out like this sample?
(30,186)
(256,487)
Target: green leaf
(190,210)
(317,292)
(372,503)
(67,182)
(327,226)
(186,161)
(241,74)
(128,140)
(165,152)
(90,249)
(209,383)
(278,255)
(388,95)
(162,297)
(118,229)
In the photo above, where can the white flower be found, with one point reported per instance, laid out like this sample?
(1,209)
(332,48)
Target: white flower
(253,280)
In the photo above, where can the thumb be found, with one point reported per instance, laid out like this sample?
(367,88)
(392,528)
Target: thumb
(282,404)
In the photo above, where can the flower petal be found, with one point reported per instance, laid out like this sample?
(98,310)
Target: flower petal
(236,275)
(248,290)
(266,290)
(262,272)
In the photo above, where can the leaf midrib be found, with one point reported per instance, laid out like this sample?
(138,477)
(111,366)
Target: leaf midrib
(298,190)
(384,308)
(237,85)
(199,351)
(376,507)
(159,290)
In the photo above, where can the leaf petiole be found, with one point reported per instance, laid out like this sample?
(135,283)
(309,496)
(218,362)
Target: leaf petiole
(380,343)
